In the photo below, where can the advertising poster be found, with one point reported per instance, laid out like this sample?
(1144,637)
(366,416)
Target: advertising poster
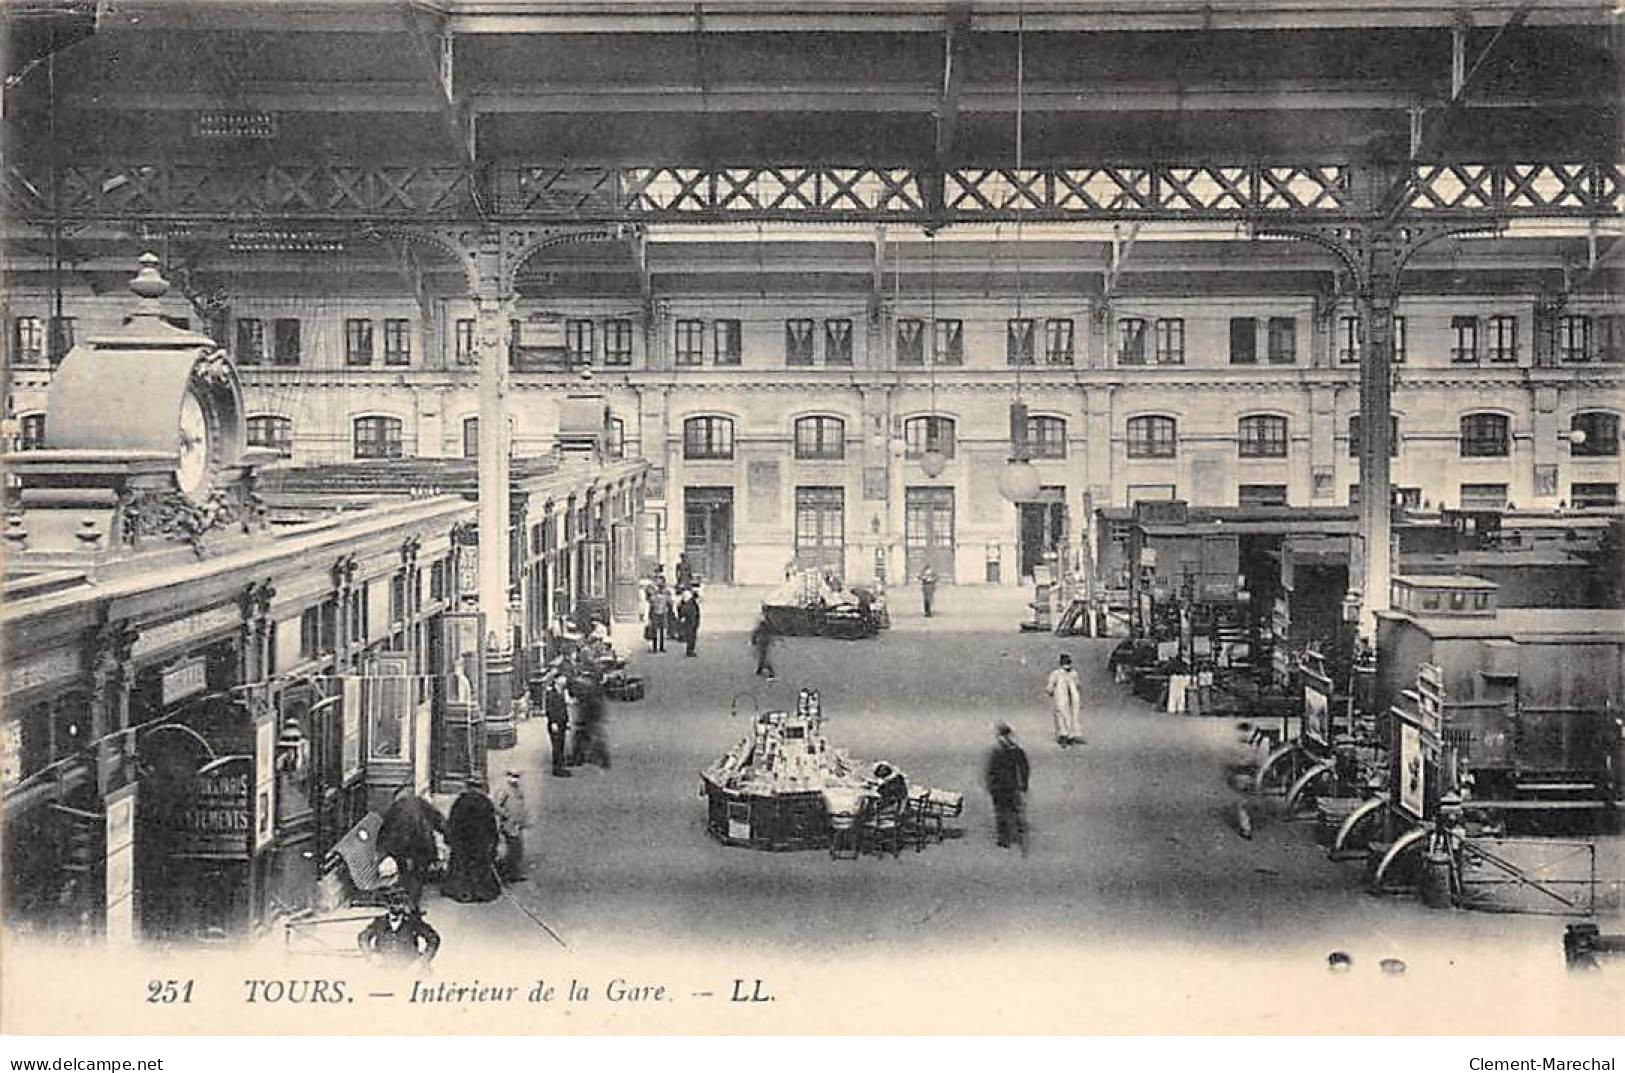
(1412,773)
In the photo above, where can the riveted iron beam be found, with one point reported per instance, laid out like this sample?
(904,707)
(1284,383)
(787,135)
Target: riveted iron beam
(1243,193)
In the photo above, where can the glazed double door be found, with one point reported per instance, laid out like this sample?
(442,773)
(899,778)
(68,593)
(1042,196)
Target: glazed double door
(928,532)
(708,526)
(821,529)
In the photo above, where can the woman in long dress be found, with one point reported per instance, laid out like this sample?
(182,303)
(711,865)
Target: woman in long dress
(472,834)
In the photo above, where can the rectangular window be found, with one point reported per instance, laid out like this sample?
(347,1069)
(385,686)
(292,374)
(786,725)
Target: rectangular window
(1131,341)
(728,338)
(1170,341)
(463,342)
(1485,436)
(357,342)
(1243,341)
(1483,497)
(1058,341)
(690,342)
(28,340)
(1262,495)
(1018,342)
(837,342)
(31,432)
(1464,340)
(820,438)
(1574,338)
(1283,340)
(1503,338)
(1262,436)
(285,341)
(578,340)
(1594,494)
(948,343)
(250,340)
(1152,437)
(397,342)
(617,342)
(910,341)
(1610,338)
(310,632)
(1046,436)
(1348,340)
(1399,340)
(798,341)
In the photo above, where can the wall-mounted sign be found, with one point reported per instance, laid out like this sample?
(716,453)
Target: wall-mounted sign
(185,679)
(351,740)
(264,783)
(386,697)
(214,823)
(1412,773)
(120,870)
(1316,712)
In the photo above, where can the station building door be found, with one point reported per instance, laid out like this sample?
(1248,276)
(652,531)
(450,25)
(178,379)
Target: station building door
(708,525)
(821,529)
(1043,528)
(928,531)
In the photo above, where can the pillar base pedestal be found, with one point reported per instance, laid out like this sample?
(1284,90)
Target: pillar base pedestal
(501,732)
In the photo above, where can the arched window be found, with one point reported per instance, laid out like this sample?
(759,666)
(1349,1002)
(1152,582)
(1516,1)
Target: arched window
(708,438)
(615,439)
(1485,436)
(30,432)
(1601,435)
(1355,436)
(378,437)
(820,438)
(921,434)
(1261,436)
(269,430)
(1046,436)
(1152,437)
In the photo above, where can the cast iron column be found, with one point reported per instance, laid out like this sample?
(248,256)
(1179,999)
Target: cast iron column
(1379,291)
(500,732)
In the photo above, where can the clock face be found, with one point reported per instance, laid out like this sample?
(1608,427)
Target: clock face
(196,446)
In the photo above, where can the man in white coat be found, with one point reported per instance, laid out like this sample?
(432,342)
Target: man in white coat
(1067,697)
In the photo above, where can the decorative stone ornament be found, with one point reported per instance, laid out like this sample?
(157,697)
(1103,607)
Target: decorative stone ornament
(933,462)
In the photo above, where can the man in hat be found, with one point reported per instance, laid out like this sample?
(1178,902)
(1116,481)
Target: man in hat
(512,819)
(1006,780)
(556,706)
(400,935)
(408,835)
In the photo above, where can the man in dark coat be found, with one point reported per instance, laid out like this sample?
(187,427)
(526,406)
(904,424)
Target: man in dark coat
(591,746)
(684,571)
(400,935)
(407,834)
(659,614)
(688,614)
(1006,780)
(761,639)
(556,706)
(472,833)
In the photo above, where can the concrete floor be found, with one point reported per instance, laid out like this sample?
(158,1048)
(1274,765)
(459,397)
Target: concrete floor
(1139,909)
(1132,834)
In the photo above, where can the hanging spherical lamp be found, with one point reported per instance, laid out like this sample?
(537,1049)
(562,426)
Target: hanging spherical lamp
(933,462)
(1019,481)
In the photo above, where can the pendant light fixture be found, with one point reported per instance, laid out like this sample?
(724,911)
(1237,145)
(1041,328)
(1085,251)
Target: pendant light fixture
(933,461)
(1018,480)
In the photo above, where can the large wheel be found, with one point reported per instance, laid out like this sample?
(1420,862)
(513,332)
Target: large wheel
(1343,846)
(1315,775)
(1405,843)
(1281,769)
